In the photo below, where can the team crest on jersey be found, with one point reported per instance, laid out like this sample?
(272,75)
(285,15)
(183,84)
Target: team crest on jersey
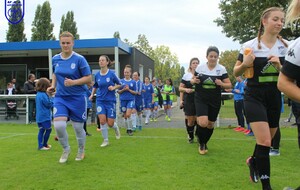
(99,109)
(131,84)
(73,65)
(218,72)
(107,79)
(54,110)
(269,68)
(84,115)
(281,50)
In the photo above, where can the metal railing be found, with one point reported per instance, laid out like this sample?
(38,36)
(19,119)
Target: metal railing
(25,97)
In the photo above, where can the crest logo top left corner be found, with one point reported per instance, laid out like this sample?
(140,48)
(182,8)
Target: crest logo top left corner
(14,10)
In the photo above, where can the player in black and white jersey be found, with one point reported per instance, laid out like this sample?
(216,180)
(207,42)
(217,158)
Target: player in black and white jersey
(209,78)
(262,99)
(187,99)
(289,78)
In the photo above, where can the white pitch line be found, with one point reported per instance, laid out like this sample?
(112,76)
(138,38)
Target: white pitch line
(15,135)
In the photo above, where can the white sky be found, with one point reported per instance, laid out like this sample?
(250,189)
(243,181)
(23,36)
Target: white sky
(186,26)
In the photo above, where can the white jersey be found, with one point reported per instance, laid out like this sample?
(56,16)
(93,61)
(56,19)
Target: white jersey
(291,67)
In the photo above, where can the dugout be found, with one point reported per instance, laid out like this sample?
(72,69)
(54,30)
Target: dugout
(18,59)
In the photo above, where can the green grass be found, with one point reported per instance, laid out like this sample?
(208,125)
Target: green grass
(154,158)
(227,110)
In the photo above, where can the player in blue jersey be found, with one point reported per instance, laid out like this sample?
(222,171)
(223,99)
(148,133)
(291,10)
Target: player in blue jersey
(71,73)
(262,99)
(148,97)
(106,82)
(89,106)
(137,119)
(127,97)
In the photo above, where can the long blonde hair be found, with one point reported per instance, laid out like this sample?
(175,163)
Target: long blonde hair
(293,13)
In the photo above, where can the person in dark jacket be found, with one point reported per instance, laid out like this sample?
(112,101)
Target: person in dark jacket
(29,88)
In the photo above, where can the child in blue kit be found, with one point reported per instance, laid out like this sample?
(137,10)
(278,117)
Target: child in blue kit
(44,105)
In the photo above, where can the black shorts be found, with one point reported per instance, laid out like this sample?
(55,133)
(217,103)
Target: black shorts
(207,107)
(189,105)
(263,104)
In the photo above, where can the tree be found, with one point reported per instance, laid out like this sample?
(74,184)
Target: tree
(42,28)
(240,19)
(228,59)
(143,45)
(68,24)
(166,64)
(117,35)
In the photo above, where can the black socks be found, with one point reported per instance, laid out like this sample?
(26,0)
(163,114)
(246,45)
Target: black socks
(262,159)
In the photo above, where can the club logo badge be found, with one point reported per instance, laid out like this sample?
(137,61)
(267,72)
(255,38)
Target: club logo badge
(14,10)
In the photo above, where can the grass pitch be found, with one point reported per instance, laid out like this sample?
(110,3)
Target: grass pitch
(154,158)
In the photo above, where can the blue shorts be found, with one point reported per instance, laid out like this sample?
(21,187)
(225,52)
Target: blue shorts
(147,103)
(155,105)
(126,104)
(72,107)
(139,105)
(107,108)
(165,102)
(44,125)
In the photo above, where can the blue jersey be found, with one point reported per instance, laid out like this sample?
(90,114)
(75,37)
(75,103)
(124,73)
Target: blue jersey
(238,86)
(126,95)
(148,91)
(73,67)
(139,88)
(88,94)
(44,104)
(102,82)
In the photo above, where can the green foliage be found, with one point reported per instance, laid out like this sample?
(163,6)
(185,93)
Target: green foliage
(155,158)
(228,59)
(68,24)
(166,64)
(143,45)
(117,35)
(240,19)
(15,32)
(42,28)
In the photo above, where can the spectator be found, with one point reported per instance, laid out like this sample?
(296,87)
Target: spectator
(238,96)
(10,90)
(44,105)
(29,88)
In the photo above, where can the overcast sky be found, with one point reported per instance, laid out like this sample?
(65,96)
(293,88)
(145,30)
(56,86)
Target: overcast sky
(186,26)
